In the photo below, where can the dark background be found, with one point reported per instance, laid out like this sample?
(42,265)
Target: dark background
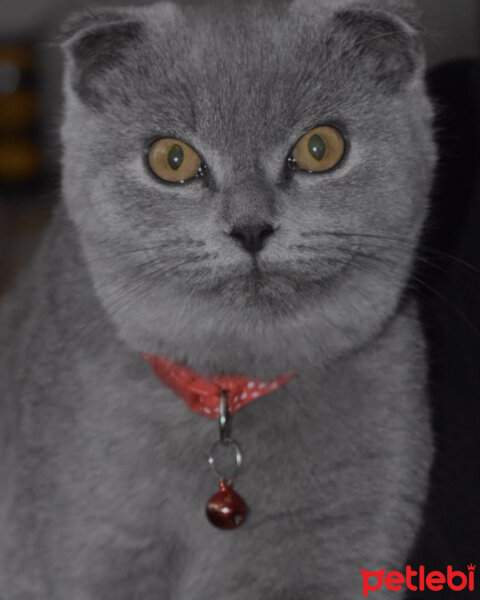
(446,280)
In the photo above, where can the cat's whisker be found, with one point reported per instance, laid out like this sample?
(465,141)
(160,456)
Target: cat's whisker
(442,297)
(389,263)
(192,256)
(433,265)
(118,291)
(102,316)
(399,240)
(142,282)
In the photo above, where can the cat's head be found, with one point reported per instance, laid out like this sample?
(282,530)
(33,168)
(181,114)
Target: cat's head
(249,180)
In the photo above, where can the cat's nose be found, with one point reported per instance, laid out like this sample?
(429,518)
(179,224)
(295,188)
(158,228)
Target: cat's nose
(252,236)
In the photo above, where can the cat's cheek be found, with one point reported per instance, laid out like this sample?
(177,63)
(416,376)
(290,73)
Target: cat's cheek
(143,322)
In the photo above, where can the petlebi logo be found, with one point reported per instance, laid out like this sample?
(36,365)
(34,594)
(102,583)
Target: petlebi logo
(419,580)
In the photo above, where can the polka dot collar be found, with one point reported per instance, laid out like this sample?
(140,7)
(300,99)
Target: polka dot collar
(203,394)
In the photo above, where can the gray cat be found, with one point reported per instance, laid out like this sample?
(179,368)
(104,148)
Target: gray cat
(276,233)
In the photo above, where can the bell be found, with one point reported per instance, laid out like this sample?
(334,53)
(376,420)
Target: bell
(226,509)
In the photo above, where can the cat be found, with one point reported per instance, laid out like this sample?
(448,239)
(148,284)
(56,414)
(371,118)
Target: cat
(250,246)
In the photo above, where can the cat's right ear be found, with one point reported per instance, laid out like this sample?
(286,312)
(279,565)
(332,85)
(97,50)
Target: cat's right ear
(96,45)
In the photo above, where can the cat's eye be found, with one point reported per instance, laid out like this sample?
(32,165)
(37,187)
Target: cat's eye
(319,150)
(174,161)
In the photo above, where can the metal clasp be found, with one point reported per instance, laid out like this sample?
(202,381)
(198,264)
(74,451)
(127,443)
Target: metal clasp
(224,421)
(225,443)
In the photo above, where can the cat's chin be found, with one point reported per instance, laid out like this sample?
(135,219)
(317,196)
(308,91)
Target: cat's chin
(270,290)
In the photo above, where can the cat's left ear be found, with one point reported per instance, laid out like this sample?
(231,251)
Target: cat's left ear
(380,40)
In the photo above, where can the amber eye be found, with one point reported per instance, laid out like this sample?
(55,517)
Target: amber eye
(319,150)
(173,160)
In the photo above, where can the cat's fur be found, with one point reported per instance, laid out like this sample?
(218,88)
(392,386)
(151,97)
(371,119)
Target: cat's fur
(103,470)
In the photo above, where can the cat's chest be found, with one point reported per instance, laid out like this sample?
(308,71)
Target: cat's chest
(121,457)
(135,444)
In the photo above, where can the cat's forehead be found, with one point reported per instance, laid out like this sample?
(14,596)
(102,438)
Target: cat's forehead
(248,69)
(234,46)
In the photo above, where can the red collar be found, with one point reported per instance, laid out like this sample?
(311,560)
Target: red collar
(203,395)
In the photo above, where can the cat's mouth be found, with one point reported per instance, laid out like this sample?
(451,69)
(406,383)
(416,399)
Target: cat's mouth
(275,282)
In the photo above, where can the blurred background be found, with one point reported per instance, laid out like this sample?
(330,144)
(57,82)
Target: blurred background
(448,272)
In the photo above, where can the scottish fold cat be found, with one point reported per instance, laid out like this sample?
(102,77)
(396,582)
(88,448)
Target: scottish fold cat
(244,185)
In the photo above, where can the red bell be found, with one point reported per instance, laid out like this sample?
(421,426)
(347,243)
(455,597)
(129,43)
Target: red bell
(226,509)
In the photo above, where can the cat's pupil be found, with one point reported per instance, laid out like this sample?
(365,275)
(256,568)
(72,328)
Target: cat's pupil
(317,147)
(175,157)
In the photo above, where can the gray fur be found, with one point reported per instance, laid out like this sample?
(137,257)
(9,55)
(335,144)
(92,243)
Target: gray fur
(103,472)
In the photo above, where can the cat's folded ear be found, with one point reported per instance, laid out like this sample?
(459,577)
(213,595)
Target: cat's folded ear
(381,40)
(96,45)
(387,46)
